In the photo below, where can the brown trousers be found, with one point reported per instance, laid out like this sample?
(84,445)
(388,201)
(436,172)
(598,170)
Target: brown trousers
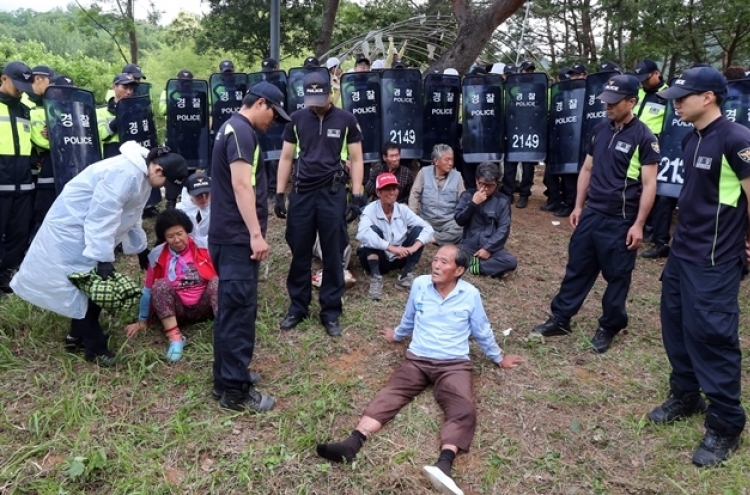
(452,388)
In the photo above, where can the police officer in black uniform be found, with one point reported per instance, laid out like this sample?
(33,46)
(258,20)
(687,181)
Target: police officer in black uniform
(618,178)
(323,134)
(701,279)
(16,184)
(237,244)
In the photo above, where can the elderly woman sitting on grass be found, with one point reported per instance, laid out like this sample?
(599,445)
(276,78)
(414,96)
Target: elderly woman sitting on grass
(181,282)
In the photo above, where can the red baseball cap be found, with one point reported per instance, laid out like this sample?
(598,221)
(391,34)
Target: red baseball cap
(386,179)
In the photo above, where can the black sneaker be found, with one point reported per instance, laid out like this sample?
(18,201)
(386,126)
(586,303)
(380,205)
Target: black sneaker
(523,202)
(715,448)
(75,344)
(563,211)
(252,400)
(254,380)
(677,407)
(550,206)
(106,360)
(552,327)
(602,340)
(657,251)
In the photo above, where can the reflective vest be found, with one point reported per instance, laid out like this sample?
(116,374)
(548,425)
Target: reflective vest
(15,149)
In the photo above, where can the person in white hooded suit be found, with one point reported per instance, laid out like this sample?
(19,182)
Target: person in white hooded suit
(98,209)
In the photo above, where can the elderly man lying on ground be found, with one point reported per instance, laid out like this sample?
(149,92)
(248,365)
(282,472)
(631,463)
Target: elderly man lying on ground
(441,314)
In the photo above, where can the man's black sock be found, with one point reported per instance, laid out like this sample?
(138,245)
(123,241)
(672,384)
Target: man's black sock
(445,461)
(374,267)
(344,451)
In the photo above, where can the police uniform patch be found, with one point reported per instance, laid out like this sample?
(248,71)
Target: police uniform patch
(655,147)
(744,155)
(624,147)
(704,162)
(334,133)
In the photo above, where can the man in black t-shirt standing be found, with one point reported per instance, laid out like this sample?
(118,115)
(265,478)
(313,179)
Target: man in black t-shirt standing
(237,243)
(324,135)
(618,178)
(701,280)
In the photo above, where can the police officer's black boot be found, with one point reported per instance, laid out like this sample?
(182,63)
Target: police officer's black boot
(5,278)
(552,327)
(717,444)
(678,405)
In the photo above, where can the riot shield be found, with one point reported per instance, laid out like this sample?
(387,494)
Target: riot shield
(526,117)
(401,116)
(73,135)
(142,89)
(565,119)
(593,109)
(482,135)
(442,97)
(187,121)
(737,102)
(360,95)
(136,121)
(227,92)
(671,169)
(295,94)
(271,141)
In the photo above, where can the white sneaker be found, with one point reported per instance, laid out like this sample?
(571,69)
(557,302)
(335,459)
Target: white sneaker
(441,482)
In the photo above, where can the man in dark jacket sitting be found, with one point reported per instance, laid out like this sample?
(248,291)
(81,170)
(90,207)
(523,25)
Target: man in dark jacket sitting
(484,213)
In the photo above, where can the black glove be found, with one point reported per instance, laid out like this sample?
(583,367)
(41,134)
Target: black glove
(354,208)
(113,125)
(105,269)
(279,207)
(143,258)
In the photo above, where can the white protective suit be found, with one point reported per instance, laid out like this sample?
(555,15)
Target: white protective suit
(200,229)
(96,210)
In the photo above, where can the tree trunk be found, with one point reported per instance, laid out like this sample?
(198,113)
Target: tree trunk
(551,42)
(133,38)
(323,43)
(475,28)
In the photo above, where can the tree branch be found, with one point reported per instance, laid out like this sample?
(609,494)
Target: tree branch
(95,21)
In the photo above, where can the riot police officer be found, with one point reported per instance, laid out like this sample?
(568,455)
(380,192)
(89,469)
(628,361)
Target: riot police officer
(16,184)
(651,111)
(122,87)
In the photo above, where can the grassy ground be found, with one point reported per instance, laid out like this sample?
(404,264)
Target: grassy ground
(566,422)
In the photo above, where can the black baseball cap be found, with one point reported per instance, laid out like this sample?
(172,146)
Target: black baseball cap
(477,70)
(184,74)
(124,79)
(269,64)
(133,69)
(175,170)
(311,62)
(362,60)
(226,66)
(619,87)
(21,75)
(198,183)
(564,73)
(62,80)
(43,70)
(696,80)
(317,90)
(578,68)
(644,68)
(397,64)
(510,69)
(609,66)
(273,97)
(527,64)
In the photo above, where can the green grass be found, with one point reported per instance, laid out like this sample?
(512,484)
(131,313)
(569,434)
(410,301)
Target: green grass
(566,422)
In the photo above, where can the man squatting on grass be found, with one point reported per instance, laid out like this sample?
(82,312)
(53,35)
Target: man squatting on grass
(441,314)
